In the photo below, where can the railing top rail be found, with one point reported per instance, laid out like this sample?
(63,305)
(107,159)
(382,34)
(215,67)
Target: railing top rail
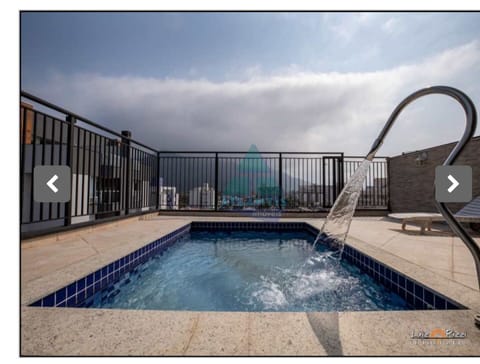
(79,117)
(242,152)
(363,157)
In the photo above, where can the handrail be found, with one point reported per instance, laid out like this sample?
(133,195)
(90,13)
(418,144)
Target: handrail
(79,117)
(245,152)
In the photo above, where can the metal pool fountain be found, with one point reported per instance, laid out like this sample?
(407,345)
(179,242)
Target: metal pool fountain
(337,223)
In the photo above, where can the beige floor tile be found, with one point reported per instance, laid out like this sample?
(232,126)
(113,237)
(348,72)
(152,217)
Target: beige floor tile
(432,253)
(283,334)
(68,331)
(468,280)
(220,333)
(389,333)
(38,261)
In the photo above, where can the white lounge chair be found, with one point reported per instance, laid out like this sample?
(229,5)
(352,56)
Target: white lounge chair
(470,213)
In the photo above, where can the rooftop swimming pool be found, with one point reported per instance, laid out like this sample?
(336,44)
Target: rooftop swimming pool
(248,271)
(247,266)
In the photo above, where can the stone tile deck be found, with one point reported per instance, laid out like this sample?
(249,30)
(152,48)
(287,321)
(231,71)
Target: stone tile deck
(437,259)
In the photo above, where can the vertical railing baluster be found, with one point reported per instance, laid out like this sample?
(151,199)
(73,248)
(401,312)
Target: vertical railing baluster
(60,158)
(126,142)
(42,159)
(280,180)
(387,185)
(52,162)
(34,161)
(70,137)
(216,181)
(158,180)
(89,174)
(84,145)
(23,144)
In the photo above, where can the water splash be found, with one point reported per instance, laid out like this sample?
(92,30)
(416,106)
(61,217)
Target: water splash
(299,286)
(321,285)
(337,224)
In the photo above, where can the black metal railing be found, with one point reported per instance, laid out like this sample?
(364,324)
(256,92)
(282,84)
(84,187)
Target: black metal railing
(114,175)
(249,180)
(375,189)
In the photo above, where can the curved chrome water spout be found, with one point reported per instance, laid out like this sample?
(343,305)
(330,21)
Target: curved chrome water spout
(471,123)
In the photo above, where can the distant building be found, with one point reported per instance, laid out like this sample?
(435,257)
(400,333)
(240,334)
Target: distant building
(168,198)
(202,197)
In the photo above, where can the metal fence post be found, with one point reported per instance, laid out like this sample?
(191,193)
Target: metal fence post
(324,190)
(342,171)
(126,135)
(280,182)
(388,184)
(158,181)
(68,205)
(216,181)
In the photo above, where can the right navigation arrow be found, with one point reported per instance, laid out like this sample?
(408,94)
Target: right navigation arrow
(454,183)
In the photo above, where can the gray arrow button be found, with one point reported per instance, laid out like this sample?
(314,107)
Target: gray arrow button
(453,183)
(51,183)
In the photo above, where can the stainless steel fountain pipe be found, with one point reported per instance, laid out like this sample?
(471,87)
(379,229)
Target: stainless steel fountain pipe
(471,124)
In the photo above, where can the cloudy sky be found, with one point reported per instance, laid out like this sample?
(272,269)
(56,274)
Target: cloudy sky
(283,81)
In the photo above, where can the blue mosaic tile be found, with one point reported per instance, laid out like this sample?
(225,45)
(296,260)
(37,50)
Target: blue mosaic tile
(418,291)
(396,282)
(62,304)
(90,278)
(80,296)
(90,290)
(388,274)
(450,305)
(440,302)
(60,295)
(80,284)
(428,297)
(394,277)
(71,301)
(410,299)
(409,285)
(71,289)
(418,304)
(37,303)
(49,300)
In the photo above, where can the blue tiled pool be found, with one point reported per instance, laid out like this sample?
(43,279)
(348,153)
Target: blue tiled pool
(248,271)
(252,266)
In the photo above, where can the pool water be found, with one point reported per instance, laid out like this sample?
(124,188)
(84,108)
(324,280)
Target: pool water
(247,271)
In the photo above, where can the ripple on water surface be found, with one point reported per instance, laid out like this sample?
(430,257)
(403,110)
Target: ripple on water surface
(248,271)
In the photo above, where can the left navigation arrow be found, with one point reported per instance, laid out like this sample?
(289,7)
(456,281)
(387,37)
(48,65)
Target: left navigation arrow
(51,185)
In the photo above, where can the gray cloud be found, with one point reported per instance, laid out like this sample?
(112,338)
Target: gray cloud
(291,112)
